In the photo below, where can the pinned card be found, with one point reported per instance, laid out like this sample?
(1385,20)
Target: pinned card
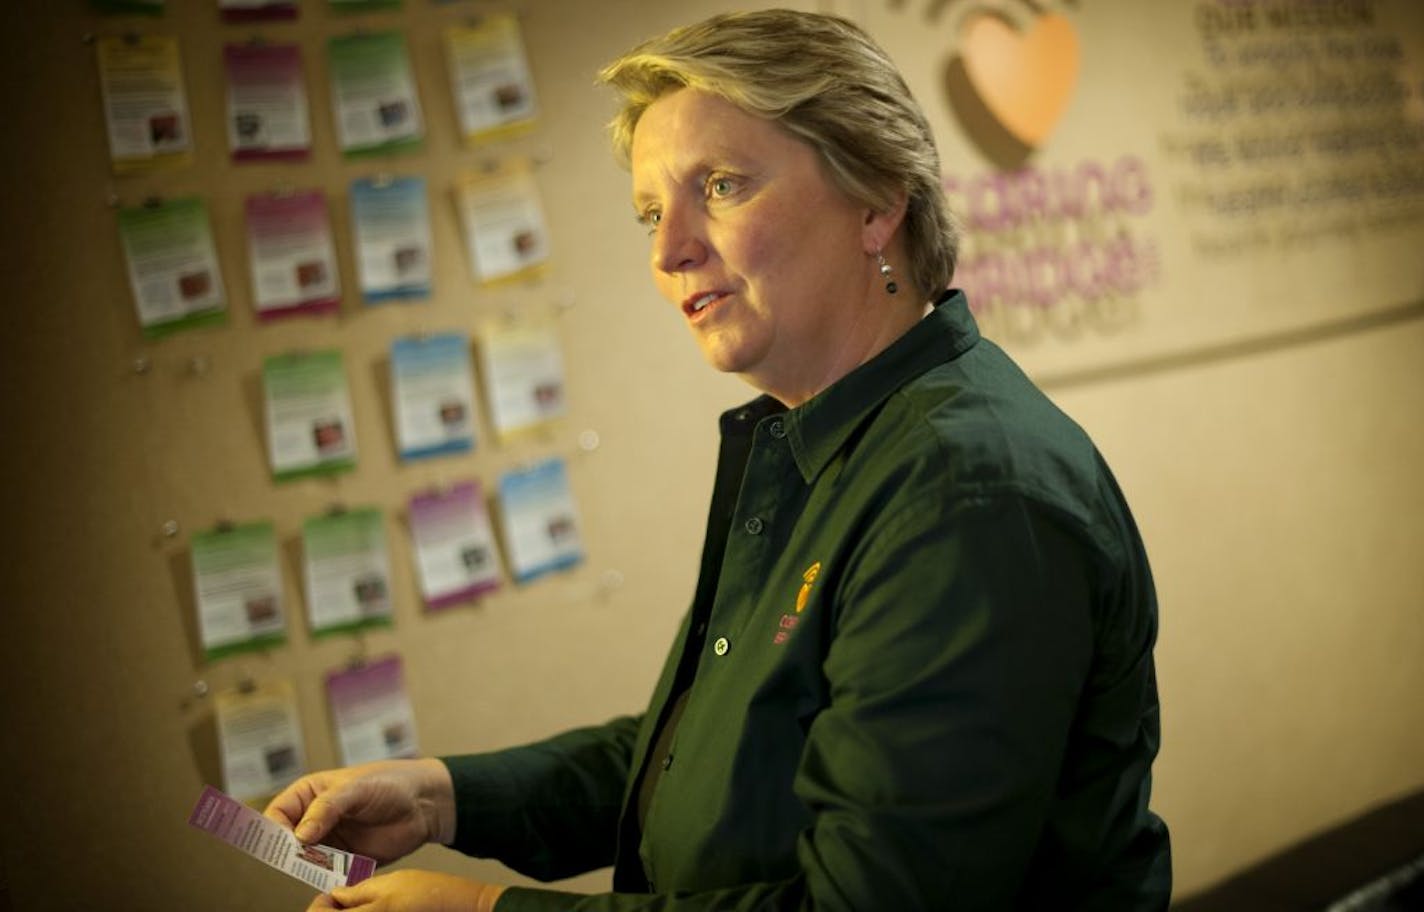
(267,113)
(260,739)
(257,10)
(539,520)
(348,573)
(455,551)
(292,255)
(172,265)
(390,218)
(372,713)
(309,424)
(145,105)
(524,377)
(502,216)
(489,74)
(373,94)
(432,387)
(239,589)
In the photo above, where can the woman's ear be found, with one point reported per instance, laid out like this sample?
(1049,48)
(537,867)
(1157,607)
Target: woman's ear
(881,224)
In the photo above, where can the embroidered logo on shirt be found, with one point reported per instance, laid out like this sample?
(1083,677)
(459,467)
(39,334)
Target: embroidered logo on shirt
(789,620)
(808,578)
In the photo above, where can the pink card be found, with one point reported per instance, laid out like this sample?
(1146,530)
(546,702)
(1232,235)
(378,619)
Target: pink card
(240,826)
(454,545)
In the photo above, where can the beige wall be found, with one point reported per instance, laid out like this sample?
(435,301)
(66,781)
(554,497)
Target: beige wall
(1277,490)
(1280,499)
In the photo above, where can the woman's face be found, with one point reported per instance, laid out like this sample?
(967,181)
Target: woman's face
(766,259)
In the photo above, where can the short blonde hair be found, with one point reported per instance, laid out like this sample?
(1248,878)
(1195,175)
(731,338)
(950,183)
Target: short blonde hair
(823,79)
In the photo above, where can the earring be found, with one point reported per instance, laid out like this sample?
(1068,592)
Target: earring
(885,271)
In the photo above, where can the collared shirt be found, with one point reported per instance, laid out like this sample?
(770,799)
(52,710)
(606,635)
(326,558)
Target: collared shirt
(917,673)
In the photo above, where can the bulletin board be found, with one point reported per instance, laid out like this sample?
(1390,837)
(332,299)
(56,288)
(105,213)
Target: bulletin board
(145,445)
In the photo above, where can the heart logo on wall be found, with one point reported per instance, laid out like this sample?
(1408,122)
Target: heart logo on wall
(1025,79)
(1010,85)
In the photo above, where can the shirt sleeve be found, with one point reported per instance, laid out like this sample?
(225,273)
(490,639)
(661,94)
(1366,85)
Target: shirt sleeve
(963,637)
(548,810)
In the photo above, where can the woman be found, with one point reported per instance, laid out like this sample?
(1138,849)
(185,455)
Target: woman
(917,672)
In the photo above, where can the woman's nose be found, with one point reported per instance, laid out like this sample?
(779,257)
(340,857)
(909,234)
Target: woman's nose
(677,243)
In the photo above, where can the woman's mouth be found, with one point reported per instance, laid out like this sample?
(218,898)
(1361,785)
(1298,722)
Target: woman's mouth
(698,303)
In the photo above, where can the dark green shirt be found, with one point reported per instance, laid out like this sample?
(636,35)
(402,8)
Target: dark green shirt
(917,672)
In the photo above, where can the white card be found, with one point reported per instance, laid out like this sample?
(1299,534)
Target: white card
(321,866)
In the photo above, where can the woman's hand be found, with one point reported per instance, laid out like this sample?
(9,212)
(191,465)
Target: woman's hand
(386,809)
(412,891)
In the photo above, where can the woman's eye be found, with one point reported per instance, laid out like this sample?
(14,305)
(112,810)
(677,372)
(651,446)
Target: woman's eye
(650,219)
(720,186)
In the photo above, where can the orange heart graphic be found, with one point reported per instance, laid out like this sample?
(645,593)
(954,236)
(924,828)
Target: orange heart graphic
(1025,80)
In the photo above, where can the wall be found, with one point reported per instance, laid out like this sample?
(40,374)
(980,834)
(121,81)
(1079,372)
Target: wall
(1253,370)
(1272,467)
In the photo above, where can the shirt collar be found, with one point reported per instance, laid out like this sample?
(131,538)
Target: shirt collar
(819,427)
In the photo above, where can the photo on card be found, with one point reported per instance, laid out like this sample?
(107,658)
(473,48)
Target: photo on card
(396,736)
(560,528)
(329,437)
(474,558)
(195,284)
(312,272)
(408,259)
(165,129)
(247,125)
(261,609)
(281,762)
(370,594)
(452,414)
(526,243)
(393,113)
(548,396)
(509,95)
(318,856)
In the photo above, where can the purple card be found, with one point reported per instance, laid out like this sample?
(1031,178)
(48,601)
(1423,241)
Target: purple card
(320,866)
(454,545)
(267,113)
(257,10)
(292,255)
(373,716)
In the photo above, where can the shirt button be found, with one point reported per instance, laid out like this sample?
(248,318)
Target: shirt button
(667,762)
(721,646)
(778,429)
(755,525)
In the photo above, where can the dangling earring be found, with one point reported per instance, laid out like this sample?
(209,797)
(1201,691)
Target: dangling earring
(885,271)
